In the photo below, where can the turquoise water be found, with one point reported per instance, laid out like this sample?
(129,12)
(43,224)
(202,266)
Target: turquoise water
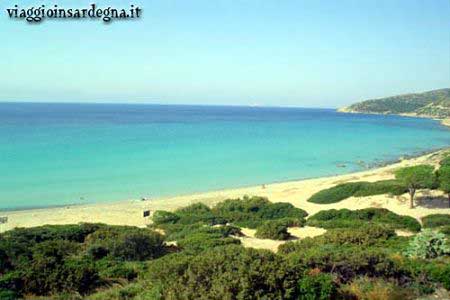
(58,154)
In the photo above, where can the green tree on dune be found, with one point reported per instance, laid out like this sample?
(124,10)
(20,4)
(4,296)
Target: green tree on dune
(444,180)
(416,177)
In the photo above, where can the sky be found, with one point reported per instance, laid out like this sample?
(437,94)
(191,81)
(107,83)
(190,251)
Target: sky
(237,52)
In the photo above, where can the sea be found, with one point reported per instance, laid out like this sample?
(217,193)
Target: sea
(55,154)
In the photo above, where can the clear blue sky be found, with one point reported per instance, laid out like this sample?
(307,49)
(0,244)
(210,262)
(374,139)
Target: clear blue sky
(268,52)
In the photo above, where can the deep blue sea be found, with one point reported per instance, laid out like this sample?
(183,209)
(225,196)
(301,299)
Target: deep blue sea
(58,154)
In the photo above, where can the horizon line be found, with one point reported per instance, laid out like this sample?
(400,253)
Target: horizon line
(167,104)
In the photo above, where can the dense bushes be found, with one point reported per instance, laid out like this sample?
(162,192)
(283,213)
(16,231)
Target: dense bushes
(70,258)
(191,227)
(345,218)
(275,230)
(317,285)
(201,241)
(247,212)
(349,261)
(376,288)
(126,243)
(366,235)
(357,189)
(445,161)
(436,220)
(336,193)
(230,272)
(358,255)
(254,211)
(428,244)
(198,237)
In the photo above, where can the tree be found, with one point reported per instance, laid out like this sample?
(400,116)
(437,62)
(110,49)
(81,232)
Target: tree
(416,177)
(444,180)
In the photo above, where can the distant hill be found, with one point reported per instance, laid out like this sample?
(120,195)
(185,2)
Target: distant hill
(432,104)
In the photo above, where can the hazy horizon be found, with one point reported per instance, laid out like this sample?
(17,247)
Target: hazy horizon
(288,54)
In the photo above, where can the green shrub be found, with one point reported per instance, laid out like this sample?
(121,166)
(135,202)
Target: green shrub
(177,231)
(230,272)
(316,285)
(138,246)
(16,245)
(128,243)
(275,230)
(33,235)
(164,217)
(428,244)
(247,212)
(366,235)
(292,222)
(119,292)
(5,264)
(376,288)
(12,281)
(345,218)
(300,245)
(8,295)
(445,161)
(68,261)
(202,241)
(48,275)
(97,251)
(357,189)
(197,213)
(119,270)
(445,230)
(440,273)
(436,220)
(392,187)
(336,193)
(254,211)
(349,261)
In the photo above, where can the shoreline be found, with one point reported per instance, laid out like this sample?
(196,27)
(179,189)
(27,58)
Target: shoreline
(443,121)
(130,212)
(369,167)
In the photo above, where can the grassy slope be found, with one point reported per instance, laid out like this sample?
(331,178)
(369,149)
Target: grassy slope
(434,103)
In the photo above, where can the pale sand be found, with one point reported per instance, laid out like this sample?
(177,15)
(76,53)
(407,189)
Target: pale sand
(249,239)
(296,192)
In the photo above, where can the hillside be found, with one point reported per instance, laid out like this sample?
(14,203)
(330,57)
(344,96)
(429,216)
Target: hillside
(433,104)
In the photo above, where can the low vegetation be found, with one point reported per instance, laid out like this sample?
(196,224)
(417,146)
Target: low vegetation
(434,104)
(275,230)
(428,244)
(407,179)
(78,259)
(357,189)
(253,212)
(444,180)
(198,257)
(436,220)
(248,212)
(361,259)
(345,218)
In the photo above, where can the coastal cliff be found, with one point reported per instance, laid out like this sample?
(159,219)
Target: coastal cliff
(432,104)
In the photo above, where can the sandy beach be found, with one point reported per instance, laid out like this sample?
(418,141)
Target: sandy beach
(296,192)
